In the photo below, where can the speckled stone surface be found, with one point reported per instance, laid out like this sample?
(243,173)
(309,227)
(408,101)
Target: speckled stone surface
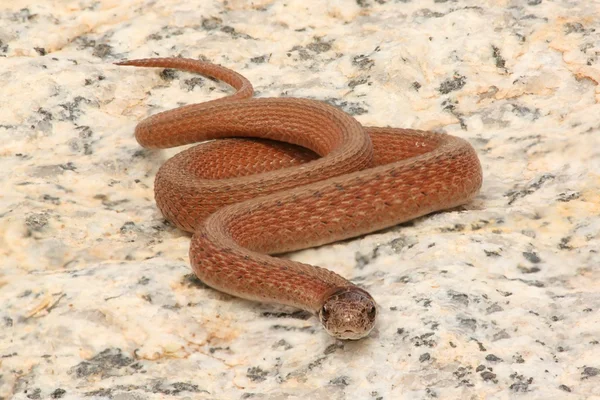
(497,300)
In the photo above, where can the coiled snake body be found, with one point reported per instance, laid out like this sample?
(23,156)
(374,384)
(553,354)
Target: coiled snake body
(244,199)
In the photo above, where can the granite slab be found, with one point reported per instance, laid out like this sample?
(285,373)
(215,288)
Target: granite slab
(499,299)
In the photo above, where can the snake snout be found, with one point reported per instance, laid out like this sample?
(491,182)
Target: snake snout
(348,313)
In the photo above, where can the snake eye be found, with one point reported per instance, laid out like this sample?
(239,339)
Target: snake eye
(372,312)
(324,314)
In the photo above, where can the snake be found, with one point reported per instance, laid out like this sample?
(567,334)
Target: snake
(269,176)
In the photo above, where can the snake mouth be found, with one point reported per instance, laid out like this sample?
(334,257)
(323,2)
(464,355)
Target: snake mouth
(350,335)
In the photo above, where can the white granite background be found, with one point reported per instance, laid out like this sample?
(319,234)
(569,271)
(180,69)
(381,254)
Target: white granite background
(498,300)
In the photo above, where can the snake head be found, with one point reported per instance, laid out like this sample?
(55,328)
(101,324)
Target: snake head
(348,313)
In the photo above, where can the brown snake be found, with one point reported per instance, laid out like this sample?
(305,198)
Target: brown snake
(246,198)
